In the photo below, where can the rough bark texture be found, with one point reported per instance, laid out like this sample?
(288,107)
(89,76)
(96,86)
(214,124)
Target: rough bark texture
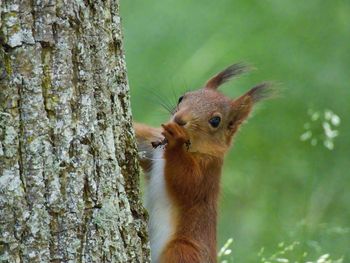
(69,174)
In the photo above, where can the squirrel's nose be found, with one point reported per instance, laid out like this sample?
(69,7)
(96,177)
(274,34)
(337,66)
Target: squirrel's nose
(179,121)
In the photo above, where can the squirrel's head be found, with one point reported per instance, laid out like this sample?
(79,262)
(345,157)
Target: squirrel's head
(211,118)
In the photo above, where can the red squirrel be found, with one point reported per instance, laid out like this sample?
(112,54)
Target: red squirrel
(183,162)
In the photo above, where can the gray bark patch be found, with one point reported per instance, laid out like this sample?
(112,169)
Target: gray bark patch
(69,177)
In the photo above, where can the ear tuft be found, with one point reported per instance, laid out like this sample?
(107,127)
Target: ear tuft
(227,74)
(261,92)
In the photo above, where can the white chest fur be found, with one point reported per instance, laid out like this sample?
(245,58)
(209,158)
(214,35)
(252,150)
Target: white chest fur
(159,207)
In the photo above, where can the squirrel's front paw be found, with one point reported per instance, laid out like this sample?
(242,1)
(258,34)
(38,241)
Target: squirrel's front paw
(175,135)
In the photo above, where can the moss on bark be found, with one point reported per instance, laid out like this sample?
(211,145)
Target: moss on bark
(69,177)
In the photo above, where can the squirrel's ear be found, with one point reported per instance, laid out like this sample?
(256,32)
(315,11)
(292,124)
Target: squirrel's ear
(226,75)
(242,106)
(261,92)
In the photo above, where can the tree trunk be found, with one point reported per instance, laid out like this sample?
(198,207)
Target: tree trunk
(68,164)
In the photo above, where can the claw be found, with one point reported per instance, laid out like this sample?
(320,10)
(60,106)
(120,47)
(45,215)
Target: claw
(188,144)
(159,143)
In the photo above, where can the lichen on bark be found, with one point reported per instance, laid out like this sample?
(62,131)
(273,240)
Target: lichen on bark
(68,161)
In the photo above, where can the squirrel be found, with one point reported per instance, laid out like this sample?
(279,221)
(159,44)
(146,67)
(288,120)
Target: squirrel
(183,160)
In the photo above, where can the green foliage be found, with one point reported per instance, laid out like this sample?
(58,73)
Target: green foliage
(275,186)
(224,255)
(284,253)
(321,127)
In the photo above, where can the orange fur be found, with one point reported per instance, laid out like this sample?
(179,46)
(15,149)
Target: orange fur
(192,180)
(193,156)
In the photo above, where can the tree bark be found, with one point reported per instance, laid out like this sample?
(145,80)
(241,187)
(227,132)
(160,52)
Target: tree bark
(69,185)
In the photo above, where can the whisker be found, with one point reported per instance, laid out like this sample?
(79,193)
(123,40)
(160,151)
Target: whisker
(162,100)
(198,128)
(175,96)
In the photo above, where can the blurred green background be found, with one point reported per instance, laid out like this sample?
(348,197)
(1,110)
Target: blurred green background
(276,188)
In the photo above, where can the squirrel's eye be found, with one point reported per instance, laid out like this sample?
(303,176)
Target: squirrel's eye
(180,99)
(215,121)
